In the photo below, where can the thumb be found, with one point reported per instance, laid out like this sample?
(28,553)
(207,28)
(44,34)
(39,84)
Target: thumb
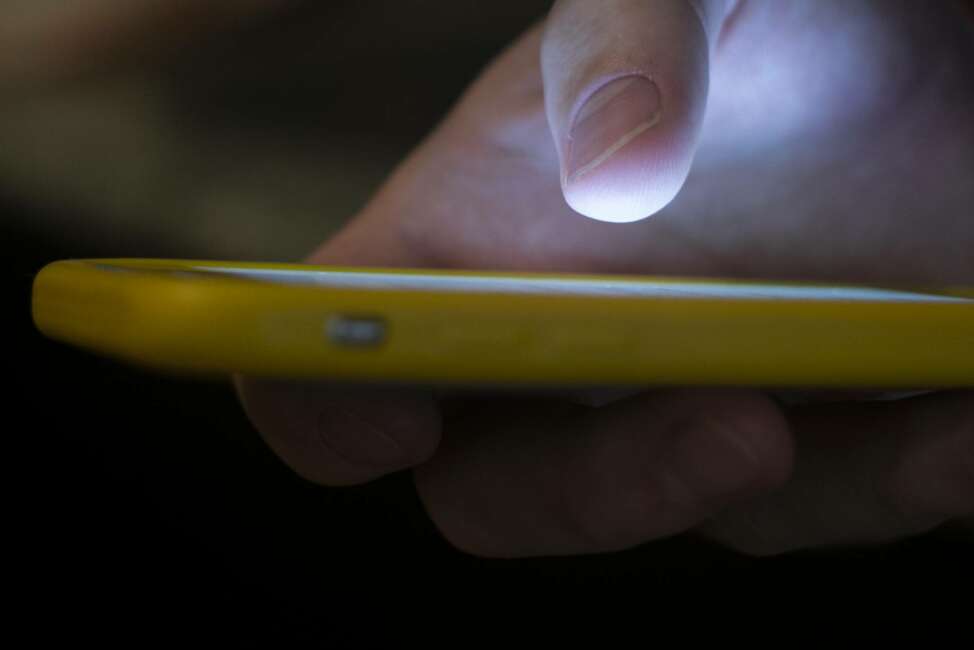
(625,85)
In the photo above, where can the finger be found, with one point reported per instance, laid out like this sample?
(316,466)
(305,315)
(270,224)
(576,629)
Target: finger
(866,473)
(554,478)
(341,435)
(625,84)
(344,435)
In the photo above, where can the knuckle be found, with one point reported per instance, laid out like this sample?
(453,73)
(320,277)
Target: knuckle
(640,493)
(757,438)
(933,479)
(347,446)
(625,521)
(327,440)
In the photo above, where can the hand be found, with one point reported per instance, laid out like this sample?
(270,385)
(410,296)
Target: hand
(827,141)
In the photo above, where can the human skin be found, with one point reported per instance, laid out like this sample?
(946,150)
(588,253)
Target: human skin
(821,140)
(828,141)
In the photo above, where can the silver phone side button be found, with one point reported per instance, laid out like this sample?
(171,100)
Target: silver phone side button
(356,331)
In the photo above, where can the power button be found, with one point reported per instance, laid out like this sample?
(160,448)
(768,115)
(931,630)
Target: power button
(356,331)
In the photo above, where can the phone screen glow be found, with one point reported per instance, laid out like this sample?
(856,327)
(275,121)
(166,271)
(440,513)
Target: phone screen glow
(603,287)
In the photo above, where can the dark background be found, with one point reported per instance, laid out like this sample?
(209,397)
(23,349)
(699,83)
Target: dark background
(145,499)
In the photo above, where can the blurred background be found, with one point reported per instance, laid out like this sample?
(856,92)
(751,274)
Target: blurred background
(251,129)
(226,128)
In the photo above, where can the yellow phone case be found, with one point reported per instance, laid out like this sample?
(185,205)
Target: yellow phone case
(486,328)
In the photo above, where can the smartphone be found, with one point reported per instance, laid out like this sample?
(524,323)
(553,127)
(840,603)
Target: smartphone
(512,329)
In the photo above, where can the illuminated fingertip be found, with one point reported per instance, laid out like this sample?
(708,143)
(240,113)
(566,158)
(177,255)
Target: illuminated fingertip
(619,199)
